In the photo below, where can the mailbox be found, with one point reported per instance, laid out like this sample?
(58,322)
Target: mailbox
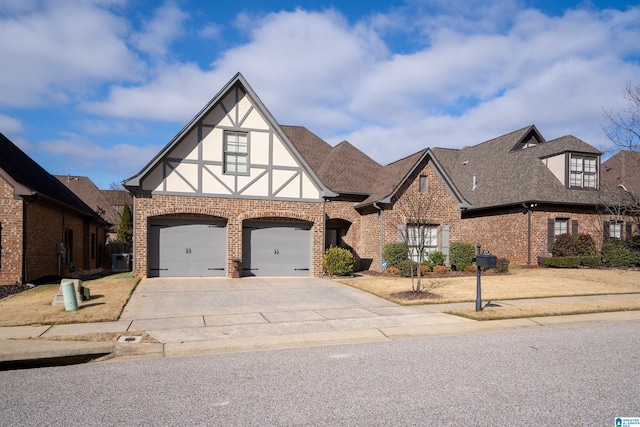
(486,260)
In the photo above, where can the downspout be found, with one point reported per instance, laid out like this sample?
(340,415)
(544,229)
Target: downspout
(324,228)
(24,278)
(381,216)
(133,239)
(528,233)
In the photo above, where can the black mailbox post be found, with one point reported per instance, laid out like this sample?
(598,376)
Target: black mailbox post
(483,260)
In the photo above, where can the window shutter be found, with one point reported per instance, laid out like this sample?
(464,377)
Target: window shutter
(574,227)
(401,233)
(629,231)
(607,234)
(550,227)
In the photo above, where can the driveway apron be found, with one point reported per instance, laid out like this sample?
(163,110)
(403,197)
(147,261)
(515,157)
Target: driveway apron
(201,309)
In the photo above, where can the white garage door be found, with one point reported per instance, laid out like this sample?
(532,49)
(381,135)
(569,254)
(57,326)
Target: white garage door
(276,248)
(187,248)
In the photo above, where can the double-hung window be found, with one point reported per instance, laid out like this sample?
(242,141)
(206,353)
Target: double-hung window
(425,236)
(561,226)
(583,171)
(236,150)
(615,230)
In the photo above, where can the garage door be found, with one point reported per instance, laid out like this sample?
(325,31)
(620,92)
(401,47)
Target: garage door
(276,248)
(187,248)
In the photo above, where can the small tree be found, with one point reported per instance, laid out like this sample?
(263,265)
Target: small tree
(623,128)
(414,224)
(125,230)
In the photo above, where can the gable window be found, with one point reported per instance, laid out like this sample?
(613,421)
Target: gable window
(236,150)
(428,241)
(424,184)
(583,171)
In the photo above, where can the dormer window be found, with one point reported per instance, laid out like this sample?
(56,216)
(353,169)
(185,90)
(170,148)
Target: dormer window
(583,171)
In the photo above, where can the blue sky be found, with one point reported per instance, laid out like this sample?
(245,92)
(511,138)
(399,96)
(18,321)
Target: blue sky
(97,87)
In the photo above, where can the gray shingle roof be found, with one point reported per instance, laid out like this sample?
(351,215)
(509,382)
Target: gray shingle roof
(87,191)
(506,175)
(623,168)
(343,168)
(35,181)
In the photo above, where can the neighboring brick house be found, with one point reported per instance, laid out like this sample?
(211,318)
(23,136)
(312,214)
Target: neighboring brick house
(235,193)
(87,191)
(45,229)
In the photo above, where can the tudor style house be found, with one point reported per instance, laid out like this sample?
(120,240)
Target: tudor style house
(45,229)
(234,193)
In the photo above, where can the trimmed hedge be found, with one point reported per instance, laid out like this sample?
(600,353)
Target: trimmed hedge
(395,252)
(338,261)
(437,258)
(562,262)
(616,253)
(461,255)
(572,262)
(502,265)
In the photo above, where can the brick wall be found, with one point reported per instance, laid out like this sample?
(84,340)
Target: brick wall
(11,235)
(438,208)
(505,233)
(235,211)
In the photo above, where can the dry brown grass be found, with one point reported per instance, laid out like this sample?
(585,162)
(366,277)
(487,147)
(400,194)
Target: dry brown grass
(542,310)
(33,307)
(519,283)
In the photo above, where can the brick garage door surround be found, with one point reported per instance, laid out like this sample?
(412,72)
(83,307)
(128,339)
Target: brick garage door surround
(235,211)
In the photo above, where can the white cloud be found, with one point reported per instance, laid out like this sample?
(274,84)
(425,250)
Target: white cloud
(473,73)
(9,125)
(210,31)
(89,158)
(161,30)
(59,49)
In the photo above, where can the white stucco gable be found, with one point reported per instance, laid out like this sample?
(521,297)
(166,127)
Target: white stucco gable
(232,148)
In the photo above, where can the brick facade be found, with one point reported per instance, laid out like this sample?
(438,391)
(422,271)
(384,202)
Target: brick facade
(45,225)
(235,211)
(10,235)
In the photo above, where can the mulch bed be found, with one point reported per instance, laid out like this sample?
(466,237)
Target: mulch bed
(411,295)
(6,290)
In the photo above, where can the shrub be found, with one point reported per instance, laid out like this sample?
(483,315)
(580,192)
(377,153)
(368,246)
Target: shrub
(616,253)
(590,261)
(634,243)
(395,252)
(470,269)
(437,258)
(579,245)
(393,271)
(338,261)
(584,246)
(502,265)
(461,255)
(408,268)
(440,269)
(425,269)
(562,262)
(563,245)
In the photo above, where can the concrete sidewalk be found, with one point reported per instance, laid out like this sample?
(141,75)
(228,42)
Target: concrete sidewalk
(235,331)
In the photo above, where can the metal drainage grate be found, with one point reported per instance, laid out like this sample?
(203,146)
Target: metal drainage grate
(130,339)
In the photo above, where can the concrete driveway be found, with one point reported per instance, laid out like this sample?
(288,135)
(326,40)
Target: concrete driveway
(177,310)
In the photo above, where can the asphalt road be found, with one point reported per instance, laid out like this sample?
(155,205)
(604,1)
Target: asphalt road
(555,376)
